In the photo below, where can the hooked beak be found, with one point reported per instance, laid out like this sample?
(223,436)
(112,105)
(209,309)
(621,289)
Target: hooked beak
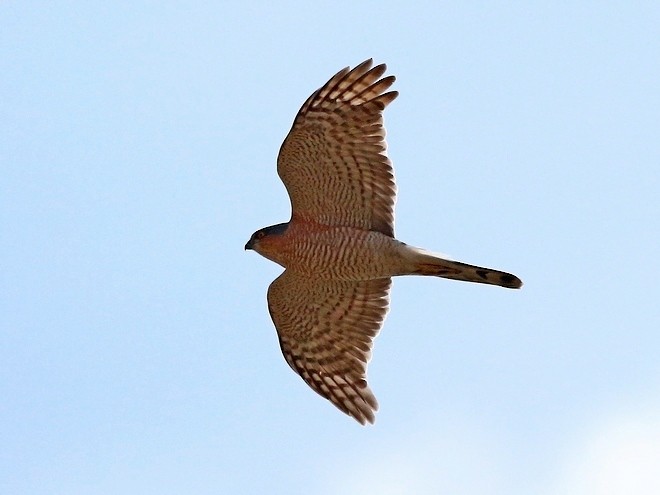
(249,244)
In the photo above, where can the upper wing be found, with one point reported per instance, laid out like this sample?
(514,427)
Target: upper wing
(326,329)
(333,162)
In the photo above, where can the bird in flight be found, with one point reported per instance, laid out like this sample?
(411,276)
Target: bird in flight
(338,249)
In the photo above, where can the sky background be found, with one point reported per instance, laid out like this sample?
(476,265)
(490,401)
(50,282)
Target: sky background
(137,155)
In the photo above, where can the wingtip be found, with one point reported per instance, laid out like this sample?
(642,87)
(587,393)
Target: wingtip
(366,63)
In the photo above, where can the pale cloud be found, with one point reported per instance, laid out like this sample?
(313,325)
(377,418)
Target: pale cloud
(615,454)
(620,455)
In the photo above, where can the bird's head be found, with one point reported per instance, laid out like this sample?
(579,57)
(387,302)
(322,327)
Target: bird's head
(262,240)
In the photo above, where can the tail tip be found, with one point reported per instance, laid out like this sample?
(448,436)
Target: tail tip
(510,281)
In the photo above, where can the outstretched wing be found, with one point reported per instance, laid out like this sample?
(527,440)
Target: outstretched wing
(333,162)
(326,330)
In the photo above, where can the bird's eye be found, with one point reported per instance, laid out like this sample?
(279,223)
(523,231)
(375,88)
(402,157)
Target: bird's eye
(261,235)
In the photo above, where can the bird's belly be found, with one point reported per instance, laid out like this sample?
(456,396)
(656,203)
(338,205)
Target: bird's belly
(343,253)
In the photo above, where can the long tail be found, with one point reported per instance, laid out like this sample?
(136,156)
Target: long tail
(427,263)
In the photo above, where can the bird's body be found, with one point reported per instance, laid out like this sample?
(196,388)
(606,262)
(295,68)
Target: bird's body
(338,250)
(334,252)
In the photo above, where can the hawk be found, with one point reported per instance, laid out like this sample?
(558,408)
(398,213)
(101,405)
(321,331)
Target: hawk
(338,249)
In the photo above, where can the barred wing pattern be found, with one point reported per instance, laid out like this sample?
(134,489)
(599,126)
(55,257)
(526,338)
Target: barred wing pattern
(333,162)
(326,330)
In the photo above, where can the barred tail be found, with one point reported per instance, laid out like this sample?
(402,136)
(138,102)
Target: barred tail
(432,265)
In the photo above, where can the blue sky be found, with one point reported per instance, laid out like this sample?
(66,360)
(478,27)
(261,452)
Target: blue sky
(137,148)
